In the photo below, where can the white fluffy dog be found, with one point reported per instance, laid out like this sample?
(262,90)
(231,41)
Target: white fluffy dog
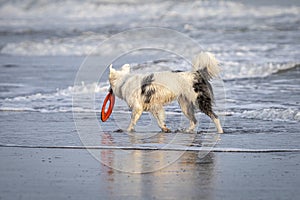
(150,92)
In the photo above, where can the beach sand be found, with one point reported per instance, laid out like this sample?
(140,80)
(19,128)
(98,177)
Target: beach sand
(32,173)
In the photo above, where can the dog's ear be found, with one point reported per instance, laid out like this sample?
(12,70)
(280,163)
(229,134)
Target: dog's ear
(111,69)
(112,72)
(126,68)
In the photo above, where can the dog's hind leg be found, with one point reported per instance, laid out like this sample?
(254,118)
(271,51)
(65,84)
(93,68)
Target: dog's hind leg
(159,113)
(216,121)
(205,105)
(187,108)
(136,114)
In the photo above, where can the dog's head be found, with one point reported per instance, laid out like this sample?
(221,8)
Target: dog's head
(116,75)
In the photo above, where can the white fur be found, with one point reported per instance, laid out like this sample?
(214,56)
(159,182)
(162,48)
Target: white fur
(207,60)
(161,88)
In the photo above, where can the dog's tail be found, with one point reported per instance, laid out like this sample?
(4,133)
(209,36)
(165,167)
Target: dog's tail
(207,64)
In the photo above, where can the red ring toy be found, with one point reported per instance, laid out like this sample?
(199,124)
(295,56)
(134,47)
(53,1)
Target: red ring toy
(105,115)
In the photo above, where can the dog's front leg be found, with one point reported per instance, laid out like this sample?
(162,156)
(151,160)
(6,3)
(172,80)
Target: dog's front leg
(159,113)
(136,114)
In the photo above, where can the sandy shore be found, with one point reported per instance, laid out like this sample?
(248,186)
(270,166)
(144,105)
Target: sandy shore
(33,173)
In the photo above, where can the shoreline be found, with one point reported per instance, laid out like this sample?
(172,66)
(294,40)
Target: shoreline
(158,148)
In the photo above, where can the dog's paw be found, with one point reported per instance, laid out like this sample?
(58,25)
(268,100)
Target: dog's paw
(166,130)
(130,130)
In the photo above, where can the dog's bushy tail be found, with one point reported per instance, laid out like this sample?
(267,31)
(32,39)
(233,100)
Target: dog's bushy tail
(207,64)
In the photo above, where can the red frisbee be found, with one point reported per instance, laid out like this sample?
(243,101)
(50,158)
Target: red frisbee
(111,98)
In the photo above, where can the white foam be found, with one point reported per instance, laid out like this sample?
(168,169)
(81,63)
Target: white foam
(236,70)
(105,9)
(74,9)
(17,109)
(273,114)
(58,15)
(58,101)
(81,45)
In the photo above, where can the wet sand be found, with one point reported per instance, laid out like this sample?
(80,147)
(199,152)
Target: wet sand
(38,173)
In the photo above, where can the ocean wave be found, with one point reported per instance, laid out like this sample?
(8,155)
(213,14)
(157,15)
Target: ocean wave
(273,114)
(222,27)
(236,56)
(235,70)
(49,110)
(230,69)
(101,8)
(67,92)
(61,102)
(58,101)
(247,61)
(80,45)
(66,16)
